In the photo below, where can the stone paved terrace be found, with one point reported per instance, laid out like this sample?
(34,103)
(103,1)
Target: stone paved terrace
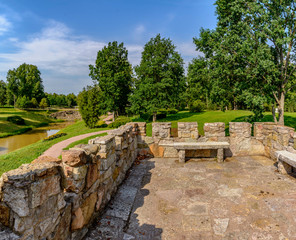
(242,198)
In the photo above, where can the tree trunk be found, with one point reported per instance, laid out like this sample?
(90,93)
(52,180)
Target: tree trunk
(113,116)
(281,109)
(154,117)
(273,114)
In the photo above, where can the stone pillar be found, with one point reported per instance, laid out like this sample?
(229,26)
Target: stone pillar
(188,130)
(181,156)
(214,131)
(220,155)
(161,130)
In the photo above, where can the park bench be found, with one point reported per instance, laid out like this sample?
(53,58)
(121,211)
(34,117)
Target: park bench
(181,147)
(286,161)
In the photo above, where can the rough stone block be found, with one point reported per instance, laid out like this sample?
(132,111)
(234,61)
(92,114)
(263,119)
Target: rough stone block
(216,129)
(240,129)
(83,214)
(161,129)
(74,158)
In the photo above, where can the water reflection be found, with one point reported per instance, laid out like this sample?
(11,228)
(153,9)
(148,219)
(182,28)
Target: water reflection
(12,143)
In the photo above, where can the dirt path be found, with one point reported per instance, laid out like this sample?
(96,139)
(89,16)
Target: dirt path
(56,150)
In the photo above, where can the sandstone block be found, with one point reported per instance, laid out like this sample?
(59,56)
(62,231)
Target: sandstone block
(216,129)
(161,130)
(92,175)
(44,159)
(74,158)
(83,214)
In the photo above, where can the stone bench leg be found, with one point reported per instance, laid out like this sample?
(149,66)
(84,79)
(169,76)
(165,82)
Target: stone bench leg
(181,156)
(284,168)
(220,155)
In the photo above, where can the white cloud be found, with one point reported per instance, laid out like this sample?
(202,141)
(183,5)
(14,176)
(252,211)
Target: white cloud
(62,58)
(5,25)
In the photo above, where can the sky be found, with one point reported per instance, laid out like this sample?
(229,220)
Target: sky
(62,37)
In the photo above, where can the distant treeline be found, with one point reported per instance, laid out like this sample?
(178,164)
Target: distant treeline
(24,89)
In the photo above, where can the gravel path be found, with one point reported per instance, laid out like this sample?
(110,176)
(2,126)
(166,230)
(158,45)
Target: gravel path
(56,150)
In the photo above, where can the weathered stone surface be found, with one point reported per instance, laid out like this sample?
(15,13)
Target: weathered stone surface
(17,199)
(44,159)
(216,129)
(161,129)
(156,150)
(170,152)
(83,214)
(62,231)
(188,130)
(240,129)
(107,162)
(92,174)
(4,215)
(75,177)
(74,158)
(43,189)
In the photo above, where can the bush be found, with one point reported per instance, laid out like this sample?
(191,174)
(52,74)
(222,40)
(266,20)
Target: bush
(119,122)
(197,106)
(22,102)
(54,136)
(172,111)
(101,124)
(16,120)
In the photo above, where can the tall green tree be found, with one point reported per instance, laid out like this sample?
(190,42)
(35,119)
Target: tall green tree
(3,94)
(90,105)
(160,79)
(253,50)
(25,81)
(113,74)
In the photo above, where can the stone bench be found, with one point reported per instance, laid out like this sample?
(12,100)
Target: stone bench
(286,161)
(181,147)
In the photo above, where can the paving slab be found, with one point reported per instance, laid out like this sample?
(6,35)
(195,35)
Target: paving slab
(242,198)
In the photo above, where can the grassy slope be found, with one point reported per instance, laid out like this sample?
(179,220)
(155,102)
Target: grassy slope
(27,154)
(32,119)
(218,116)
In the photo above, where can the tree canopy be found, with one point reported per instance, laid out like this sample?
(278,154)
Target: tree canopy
(25,81)
(160,79)
(113,74)
(3,98)
(252,51)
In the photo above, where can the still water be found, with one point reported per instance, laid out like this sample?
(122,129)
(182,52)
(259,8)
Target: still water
(9,144)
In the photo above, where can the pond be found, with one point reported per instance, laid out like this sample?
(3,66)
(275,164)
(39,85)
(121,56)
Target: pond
(11,143)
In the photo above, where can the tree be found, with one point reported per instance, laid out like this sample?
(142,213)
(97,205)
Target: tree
(43,103)
(253,49)
(34,103)
(25,81)
(112,72)
(22,102)
(3,94)
(90,105)
(160,78)
(199,81)
(71,100)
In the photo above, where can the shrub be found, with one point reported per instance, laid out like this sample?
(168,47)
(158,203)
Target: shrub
(22,102)
(119,122)
(197,106)
(172,111)
(43,103)
(101,124)
(16,120)
(54,136)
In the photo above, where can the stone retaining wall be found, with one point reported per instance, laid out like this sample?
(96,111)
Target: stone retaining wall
(60,199)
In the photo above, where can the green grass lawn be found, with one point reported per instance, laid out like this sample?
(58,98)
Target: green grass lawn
(28,153)
(32,119)
(217,116)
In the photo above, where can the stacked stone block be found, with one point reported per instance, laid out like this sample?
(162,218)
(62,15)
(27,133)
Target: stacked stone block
(161,130)
(214,131)
(32,203)
(59,201)
(188,130)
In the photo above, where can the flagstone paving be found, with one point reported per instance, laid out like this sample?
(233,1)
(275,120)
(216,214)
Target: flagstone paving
(242,198)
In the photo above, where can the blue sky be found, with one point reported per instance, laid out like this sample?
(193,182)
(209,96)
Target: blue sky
(62,37)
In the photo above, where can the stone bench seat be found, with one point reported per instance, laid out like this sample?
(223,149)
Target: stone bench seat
(286,161)
(181,147)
